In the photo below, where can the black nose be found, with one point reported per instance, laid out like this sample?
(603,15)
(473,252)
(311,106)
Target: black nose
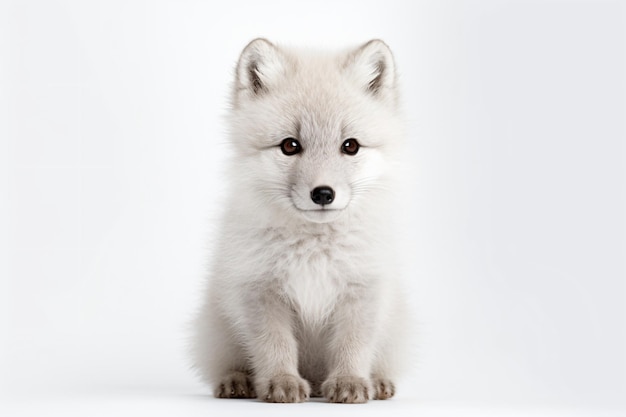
(322,195)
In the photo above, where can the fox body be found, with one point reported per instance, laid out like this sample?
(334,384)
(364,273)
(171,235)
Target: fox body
(303,298)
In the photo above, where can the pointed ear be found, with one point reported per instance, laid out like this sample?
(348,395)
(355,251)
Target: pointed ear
(373,68)
(260,65)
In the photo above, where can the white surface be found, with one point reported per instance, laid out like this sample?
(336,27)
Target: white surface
(111,148)
(169,403)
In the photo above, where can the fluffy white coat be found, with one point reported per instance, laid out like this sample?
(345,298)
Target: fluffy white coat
(305,300)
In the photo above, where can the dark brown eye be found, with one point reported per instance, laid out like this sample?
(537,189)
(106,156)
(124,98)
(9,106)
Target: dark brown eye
(350,146)
(290,146)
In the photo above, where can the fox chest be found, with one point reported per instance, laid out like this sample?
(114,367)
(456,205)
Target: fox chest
(313,271)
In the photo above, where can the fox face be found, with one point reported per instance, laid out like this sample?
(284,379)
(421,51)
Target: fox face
(314,134)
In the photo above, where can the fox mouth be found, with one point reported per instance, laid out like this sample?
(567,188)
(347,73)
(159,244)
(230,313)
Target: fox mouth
(323,209)
(320,215)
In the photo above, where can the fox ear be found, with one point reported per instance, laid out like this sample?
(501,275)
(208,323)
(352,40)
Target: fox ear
(260,65)
(373,68)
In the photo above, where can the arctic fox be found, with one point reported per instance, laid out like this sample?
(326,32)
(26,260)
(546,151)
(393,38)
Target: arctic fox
(303,297)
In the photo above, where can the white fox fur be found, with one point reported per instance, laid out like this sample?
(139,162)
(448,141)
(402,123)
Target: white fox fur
(305,299)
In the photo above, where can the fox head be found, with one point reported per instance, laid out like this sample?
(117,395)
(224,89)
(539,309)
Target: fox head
(315,134)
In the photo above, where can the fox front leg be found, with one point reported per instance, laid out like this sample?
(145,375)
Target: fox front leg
(273,349)
(355,325)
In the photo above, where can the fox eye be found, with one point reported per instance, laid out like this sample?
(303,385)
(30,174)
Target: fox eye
(290,146)
(350,146)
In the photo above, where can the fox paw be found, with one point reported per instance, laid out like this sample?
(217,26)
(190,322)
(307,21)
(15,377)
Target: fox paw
(346,389)
(284,389)
(383,388)
(235,385)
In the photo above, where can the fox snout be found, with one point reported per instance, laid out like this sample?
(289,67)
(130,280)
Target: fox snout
(323,195)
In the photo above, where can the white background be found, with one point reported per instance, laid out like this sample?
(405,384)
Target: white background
(112,146)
